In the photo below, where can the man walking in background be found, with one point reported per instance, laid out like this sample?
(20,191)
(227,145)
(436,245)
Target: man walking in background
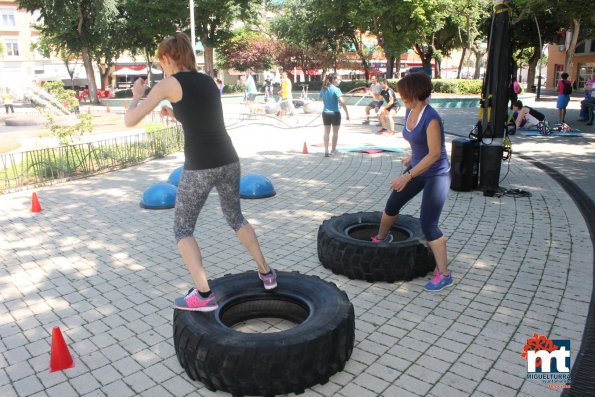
(286,103)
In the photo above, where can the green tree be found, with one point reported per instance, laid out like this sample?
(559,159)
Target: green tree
(469,17)
(428,17)
(301,44)
(215,19)
(148,22)
(47,48)
(553,17)
(390,23)
(77,24)
(66,130)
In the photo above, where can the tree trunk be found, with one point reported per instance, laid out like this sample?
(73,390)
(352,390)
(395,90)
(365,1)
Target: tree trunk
(426,57)
(70,71)
(462,61)
(209,61)
(568,66)
(478,54)
(103,73)
(90,76)
(390,62)
(398,66)
(437,68)
(531,67)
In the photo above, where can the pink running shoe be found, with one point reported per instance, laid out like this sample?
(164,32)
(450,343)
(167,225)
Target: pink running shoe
(269,280)
(196,303)
(387,239)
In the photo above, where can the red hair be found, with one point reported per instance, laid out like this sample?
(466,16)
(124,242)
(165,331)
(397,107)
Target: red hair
(179,49)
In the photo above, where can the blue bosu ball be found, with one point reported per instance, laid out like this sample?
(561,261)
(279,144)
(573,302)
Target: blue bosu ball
(253,186)
(159,196)
(175,176)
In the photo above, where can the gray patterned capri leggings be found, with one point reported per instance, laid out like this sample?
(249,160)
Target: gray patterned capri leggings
(193,191)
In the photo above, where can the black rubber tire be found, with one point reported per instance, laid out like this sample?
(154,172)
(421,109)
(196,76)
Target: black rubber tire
(270,363)
(403,259)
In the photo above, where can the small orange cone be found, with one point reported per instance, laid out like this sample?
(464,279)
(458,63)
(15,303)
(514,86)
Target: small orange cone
(35,206)
(305,149)
(107,108)
(126,105)
(60,357)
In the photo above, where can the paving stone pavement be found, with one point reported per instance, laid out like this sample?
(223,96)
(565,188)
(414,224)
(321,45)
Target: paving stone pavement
(107,271)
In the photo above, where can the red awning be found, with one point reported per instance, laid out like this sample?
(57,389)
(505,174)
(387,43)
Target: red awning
(132,66)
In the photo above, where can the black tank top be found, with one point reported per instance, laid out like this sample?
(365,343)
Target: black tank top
(206,142)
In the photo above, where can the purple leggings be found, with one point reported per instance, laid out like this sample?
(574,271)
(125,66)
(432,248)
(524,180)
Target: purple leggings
(435,190)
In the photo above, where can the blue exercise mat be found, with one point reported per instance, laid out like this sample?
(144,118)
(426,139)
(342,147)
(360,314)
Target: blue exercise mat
(534,128)
(371,149)
(531,133)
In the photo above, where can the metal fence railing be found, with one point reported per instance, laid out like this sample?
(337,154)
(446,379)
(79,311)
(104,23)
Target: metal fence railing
(36,167)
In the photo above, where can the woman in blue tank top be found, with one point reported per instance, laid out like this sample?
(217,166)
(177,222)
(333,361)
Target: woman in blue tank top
(210,161)
(426,169)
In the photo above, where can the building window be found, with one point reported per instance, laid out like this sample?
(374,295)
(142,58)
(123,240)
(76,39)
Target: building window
(7,18)
(12,47)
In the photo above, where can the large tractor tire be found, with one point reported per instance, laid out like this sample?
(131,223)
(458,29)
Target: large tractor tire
(267,364)
(344,247)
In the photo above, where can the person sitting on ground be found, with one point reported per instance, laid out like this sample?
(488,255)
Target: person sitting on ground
(527,117)
(590,110)
(386,112)
(376,102)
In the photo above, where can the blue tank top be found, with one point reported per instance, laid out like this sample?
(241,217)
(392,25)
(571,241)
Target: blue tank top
(418,140)
(330,98)
(206,142)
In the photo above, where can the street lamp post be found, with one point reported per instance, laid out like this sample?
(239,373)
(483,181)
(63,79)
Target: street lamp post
(192,27)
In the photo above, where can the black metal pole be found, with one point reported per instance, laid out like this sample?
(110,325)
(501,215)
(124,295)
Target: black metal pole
(495,93)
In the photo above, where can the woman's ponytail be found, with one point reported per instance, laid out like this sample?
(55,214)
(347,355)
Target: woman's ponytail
(179,49)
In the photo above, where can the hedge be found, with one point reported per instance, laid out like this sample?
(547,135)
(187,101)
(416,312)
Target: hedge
(449,86)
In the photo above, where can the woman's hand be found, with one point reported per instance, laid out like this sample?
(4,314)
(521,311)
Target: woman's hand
(399,182)
(138,88)
(406,160)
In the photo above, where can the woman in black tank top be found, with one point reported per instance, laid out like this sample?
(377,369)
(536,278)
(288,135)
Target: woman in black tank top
(210,161)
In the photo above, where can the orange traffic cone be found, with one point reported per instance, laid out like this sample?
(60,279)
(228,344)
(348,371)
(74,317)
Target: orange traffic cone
(35,206)
(60,357)
(305,149)
(107,108)
(126,105)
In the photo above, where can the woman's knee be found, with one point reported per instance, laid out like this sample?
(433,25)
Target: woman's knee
(431,232)
(236,222)
(181,233)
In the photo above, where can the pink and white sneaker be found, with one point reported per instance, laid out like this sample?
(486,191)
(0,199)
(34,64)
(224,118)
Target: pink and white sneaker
(269,280)
(196,303)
